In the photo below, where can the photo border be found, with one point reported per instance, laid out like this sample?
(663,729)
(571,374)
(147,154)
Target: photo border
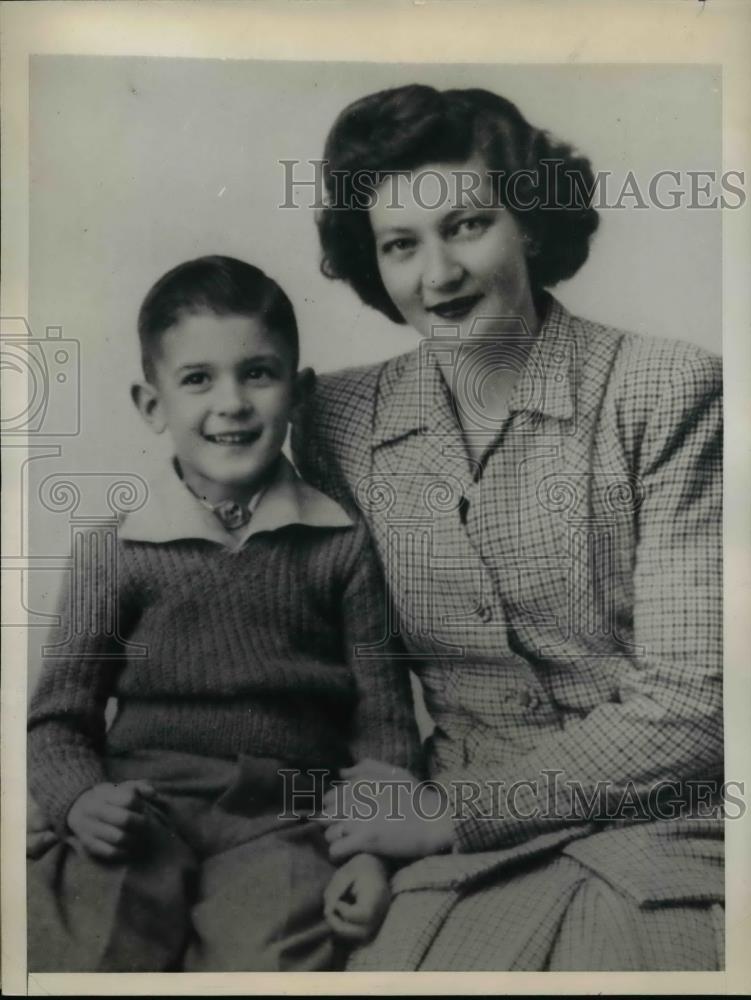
(516,31)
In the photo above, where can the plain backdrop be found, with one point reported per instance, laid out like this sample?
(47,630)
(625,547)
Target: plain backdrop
(140,163)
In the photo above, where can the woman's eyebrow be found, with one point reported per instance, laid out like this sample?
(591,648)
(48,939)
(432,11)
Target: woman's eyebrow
(390,230)
(455,213)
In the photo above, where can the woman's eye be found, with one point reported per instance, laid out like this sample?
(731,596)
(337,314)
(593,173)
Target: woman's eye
(398,247)
(470,227)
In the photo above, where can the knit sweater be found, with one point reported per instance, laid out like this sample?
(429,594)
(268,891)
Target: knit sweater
(222,653)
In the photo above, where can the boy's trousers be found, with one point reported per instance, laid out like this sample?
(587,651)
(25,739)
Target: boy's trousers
(225,883)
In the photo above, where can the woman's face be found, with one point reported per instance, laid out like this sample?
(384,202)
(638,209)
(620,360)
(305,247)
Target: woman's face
(450,260)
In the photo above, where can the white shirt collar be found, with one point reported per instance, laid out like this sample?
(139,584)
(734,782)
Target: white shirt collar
(172,512)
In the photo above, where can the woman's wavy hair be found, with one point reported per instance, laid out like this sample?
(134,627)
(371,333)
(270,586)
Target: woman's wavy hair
(408,127)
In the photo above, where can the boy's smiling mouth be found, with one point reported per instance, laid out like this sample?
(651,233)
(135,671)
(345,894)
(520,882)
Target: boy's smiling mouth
(234,437)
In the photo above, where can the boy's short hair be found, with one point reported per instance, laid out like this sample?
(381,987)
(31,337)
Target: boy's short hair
(218,285)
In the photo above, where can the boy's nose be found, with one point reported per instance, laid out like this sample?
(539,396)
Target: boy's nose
(232,398)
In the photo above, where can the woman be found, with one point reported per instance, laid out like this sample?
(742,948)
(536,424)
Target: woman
(545,495)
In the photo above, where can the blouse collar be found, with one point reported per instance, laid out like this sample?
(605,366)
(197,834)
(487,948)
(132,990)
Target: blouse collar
(412,384)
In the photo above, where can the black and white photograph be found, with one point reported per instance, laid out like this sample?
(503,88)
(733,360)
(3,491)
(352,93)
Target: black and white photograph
(368,542)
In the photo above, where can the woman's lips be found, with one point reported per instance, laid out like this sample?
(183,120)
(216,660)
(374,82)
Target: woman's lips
(456,308)
(233,438)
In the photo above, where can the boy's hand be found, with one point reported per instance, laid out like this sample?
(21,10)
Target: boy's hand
(109,819)
(357,898)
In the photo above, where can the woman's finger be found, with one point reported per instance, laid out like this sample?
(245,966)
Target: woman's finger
(338,801)
(324,820)
(327,824)
(362,769)
(345,847)
(375,770)
(334,799)
(337,831)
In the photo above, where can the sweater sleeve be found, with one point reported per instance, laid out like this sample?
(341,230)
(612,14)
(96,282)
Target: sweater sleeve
(666,724)
(384,725)
(66,721)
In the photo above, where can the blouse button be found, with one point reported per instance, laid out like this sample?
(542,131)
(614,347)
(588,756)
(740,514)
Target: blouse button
(528,699)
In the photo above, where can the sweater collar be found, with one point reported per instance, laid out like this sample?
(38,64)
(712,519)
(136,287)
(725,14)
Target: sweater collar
(172,513)
(412,388)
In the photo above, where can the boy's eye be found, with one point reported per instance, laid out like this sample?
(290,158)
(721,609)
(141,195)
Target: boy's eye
(258,373)
(194,379)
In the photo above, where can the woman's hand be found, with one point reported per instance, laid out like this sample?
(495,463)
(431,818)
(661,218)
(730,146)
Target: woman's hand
(384,810)
(357,898)
(110,819)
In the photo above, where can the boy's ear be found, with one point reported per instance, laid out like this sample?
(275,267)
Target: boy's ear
(146,400)
(305,383)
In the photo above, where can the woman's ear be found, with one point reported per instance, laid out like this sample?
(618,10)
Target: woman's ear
(304,386)
(145,397)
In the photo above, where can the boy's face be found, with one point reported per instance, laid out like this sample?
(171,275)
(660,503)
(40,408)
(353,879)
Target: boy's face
(225,390)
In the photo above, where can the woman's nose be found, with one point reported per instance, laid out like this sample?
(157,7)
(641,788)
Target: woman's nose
(441,269)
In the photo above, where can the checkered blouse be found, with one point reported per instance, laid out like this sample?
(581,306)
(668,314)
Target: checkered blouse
(560,600)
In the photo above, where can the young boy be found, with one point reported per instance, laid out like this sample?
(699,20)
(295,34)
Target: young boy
(176,843)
